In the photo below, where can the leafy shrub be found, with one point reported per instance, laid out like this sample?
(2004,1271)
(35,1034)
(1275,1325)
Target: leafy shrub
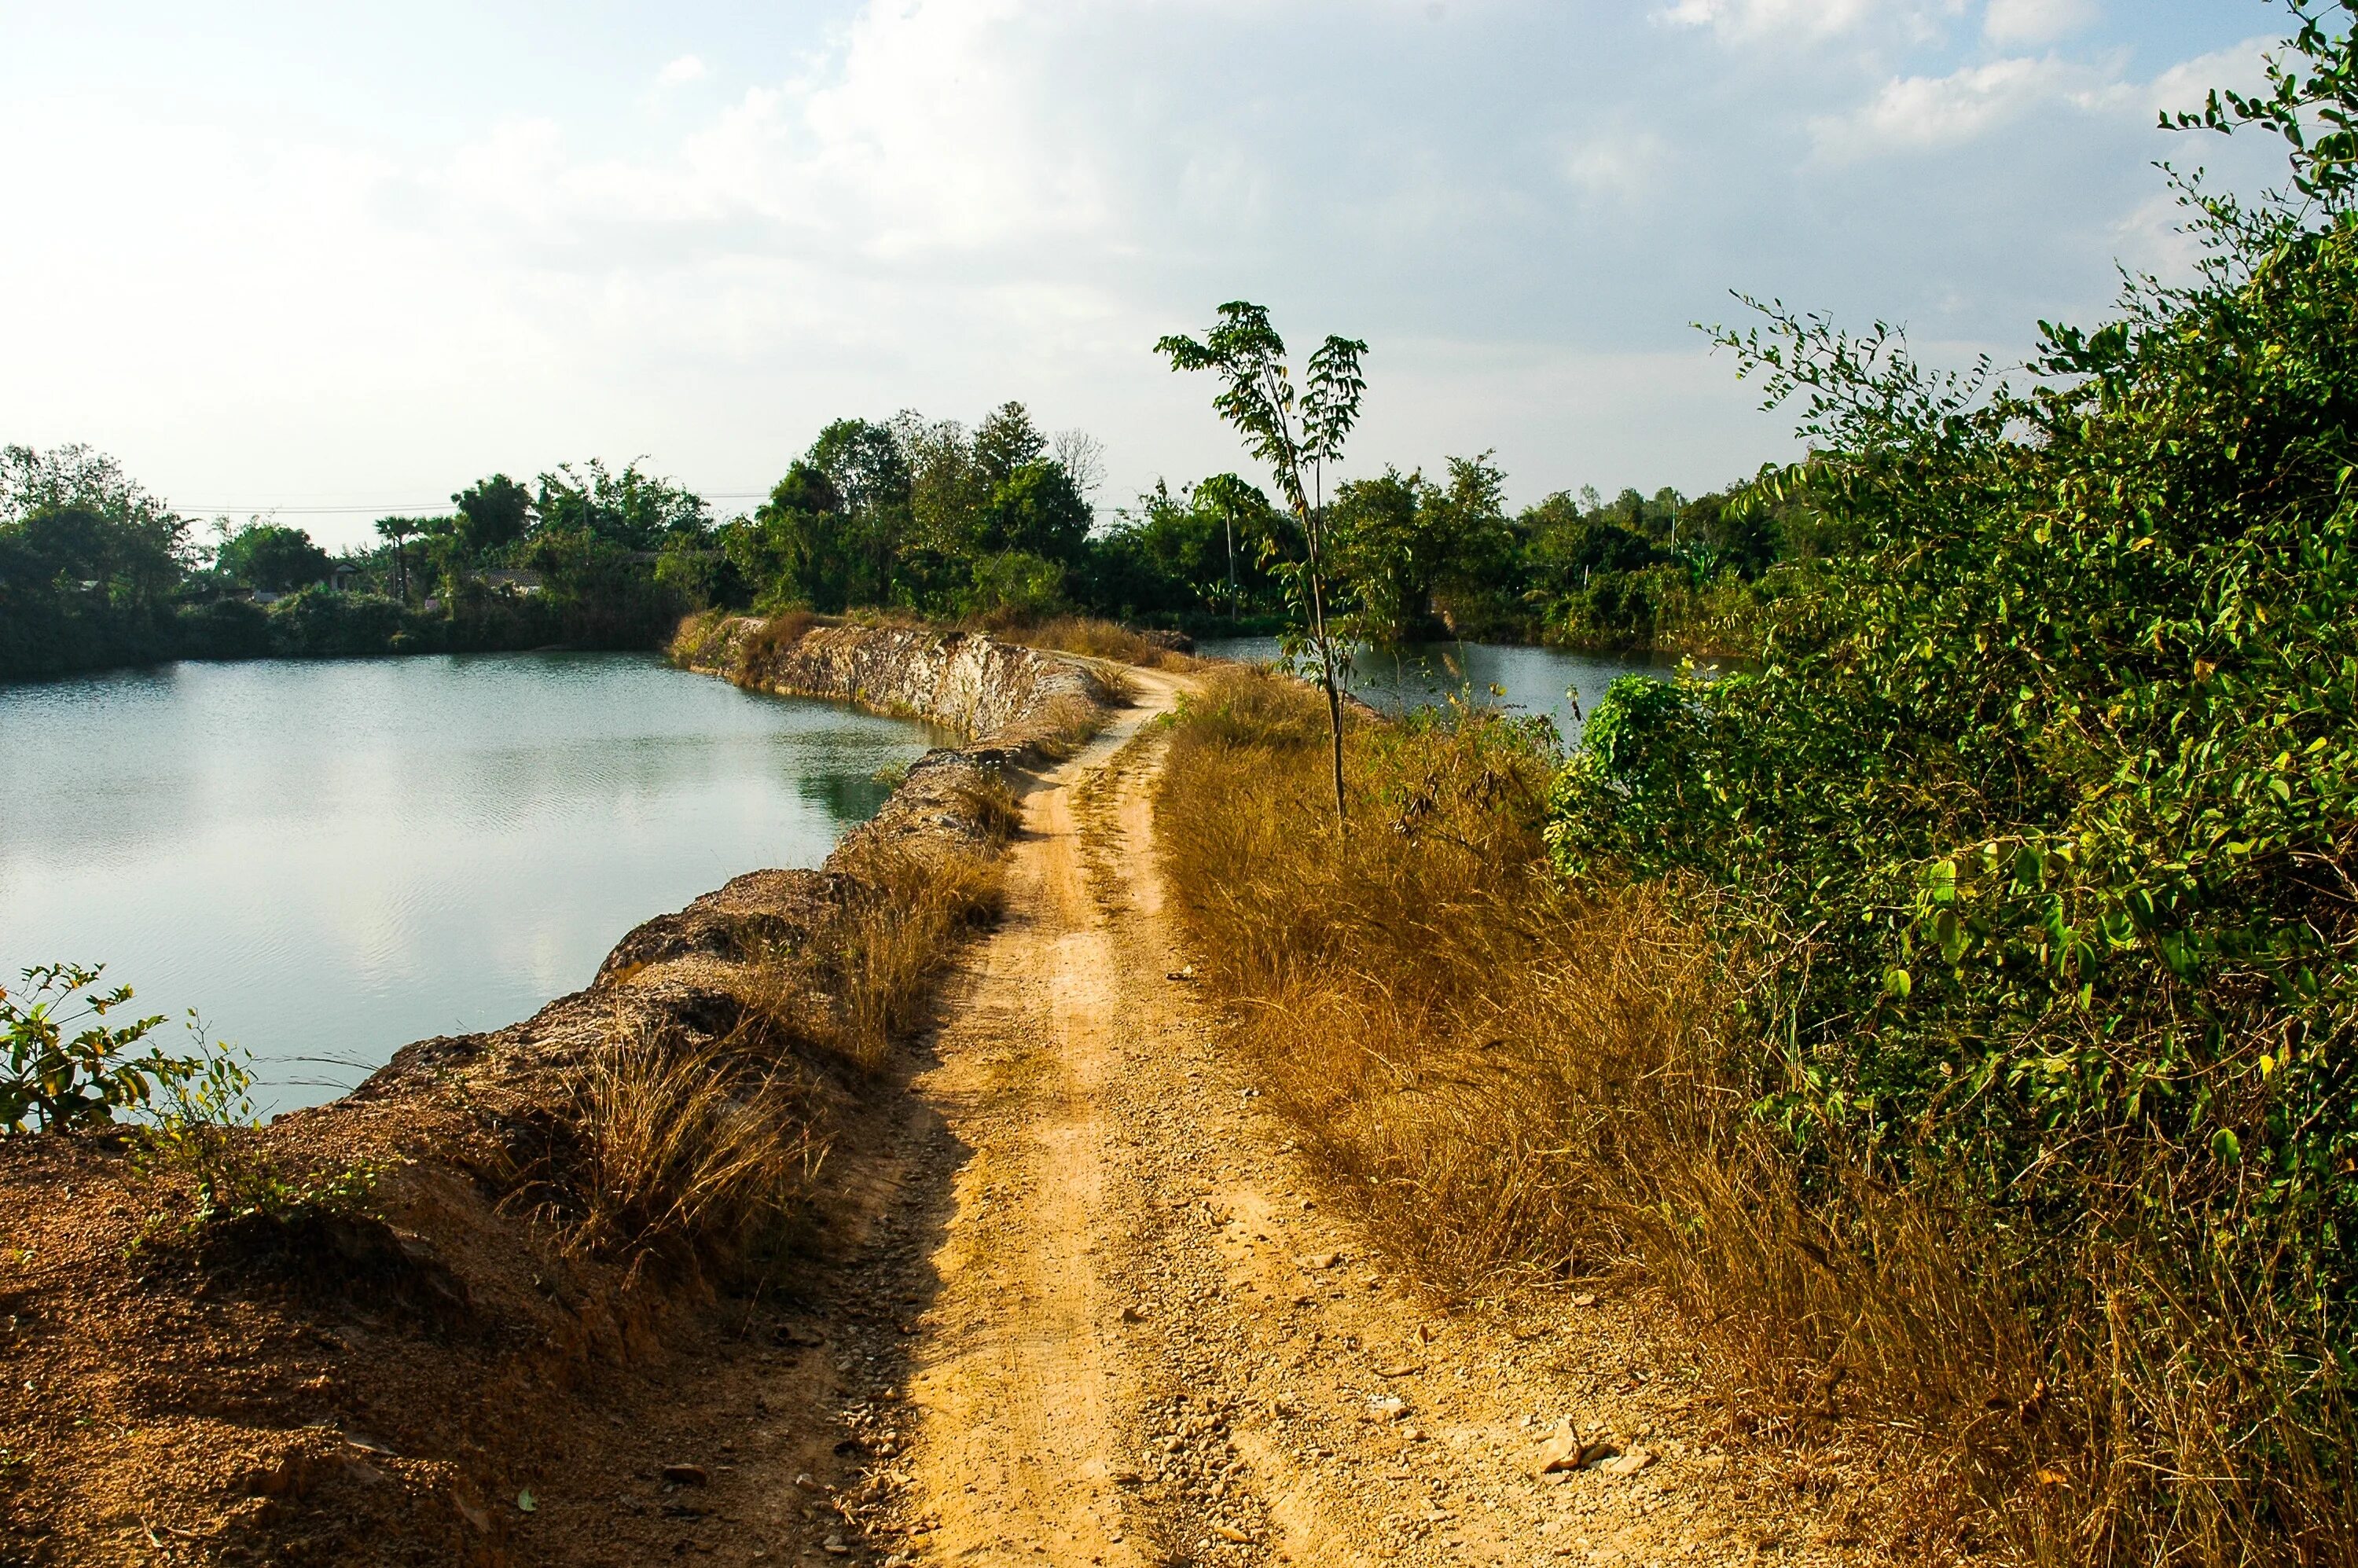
(319,623)
(224,628)
(64,1064)
(2039,824)
(1017,585)
(201,1127)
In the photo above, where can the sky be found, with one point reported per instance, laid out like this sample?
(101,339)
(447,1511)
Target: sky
(330,262)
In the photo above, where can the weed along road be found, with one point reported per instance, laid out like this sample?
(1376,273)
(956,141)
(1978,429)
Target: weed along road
(1098,1314)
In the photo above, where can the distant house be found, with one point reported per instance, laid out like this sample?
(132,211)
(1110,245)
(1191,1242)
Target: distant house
(341,579)
(515,579)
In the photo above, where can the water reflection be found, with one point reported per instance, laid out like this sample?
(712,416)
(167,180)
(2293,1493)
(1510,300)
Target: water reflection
(329,860)
(1549,681)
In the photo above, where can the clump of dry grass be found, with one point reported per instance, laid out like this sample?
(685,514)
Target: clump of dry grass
(675,1156)
(696,642)
(775,637)
(1090,637)
(888,617)
(912,898)
(1060,727)
(701,641)
(1519,1085)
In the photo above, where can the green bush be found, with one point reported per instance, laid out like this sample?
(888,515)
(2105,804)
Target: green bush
(63,1065)
(224,628)
(320,623)
(2039,821)
(1016,586)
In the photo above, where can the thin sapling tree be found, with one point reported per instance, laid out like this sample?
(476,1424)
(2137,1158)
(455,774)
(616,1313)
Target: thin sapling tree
(1297,432)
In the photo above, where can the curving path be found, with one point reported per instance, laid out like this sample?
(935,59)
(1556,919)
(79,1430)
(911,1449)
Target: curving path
(1114,1326)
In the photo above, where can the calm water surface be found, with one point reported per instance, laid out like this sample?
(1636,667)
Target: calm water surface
(329,859)
(1547,681)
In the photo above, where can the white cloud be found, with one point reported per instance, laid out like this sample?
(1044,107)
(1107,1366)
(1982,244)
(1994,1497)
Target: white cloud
(1916,113)
(1755,18)
(688,67)
(2184,86)
(1928,113)
(1623,165)
(2009,23)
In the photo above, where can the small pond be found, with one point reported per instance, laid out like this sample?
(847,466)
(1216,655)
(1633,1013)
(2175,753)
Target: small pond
(1549,681)
(329,860)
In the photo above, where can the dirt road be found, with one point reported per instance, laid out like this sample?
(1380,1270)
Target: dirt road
(1099,1315)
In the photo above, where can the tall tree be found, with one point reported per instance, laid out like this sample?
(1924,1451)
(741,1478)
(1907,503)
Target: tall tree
(1297,433)
(1036,510)
(274,558)
(794,549)
(494,514)
(397,531)
(1228,497)
(1005,442)
(864,461)
(88,561)
(634,509)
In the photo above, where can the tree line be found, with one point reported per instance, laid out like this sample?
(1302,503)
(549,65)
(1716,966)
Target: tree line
(992,524)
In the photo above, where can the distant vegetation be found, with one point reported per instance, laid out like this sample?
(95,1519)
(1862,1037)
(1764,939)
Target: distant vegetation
(993,525)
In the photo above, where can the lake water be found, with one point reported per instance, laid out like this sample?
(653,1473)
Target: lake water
(1547,681)
(329,859)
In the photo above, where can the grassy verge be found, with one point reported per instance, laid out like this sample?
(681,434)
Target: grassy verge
(683,1155)
(1094,638)
(911,905)
(1521,1085)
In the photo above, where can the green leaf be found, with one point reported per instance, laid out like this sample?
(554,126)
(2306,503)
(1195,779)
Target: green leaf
(1951,934)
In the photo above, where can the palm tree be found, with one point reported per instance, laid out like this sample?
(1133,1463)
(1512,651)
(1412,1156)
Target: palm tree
(397,529)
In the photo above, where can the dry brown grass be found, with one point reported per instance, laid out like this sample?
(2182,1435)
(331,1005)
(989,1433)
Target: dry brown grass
(696,642)
(1065,723)
(773,639)
(912,900)
(686,1158)
(1518,1085)
(1090,637)
(674,1156)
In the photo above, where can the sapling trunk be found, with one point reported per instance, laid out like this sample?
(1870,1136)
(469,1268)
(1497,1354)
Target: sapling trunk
(1327,668)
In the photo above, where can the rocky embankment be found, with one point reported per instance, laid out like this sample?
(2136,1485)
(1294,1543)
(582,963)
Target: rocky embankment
(408,1307)
(1007,699)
